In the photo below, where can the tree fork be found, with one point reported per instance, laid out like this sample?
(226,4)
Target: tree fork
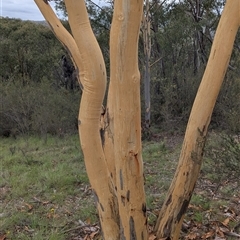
(170,219)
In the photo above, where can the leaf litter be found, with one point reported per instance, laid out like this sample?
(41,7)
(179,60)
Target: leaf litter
(219,219)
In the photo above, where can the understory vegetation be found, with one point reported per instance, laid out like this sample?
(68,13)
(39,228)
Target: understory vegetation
(45,193)
(39,88)
(44,188)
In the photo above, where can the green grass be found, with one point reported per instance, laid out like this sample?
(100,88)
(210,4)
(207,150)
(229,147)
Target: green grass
(45,193)
(43,186)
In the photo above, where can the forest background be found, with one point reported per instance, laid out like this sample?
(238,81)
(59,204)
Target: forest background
(39,89)
(39,97)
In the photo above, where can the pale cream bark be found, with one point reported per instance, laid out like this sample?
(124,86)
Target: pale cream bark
(94,84)
(124,217)
(171,216)
(125,80)
(87,56)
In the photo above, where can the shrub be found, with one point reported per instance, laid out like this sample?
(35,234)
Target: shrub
(222,159)
(37,108)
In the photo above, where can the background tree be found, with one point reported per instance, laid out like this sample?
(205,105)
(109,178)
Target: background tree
(176,50)
(146,33)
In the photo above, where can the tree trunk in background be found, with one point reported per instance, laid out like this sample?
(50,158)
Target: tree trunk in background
(171,215)
(147,53)
(197,11)
(125,80)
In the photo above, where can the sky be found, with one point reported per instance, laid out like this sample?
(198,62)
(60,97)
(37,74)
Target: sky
(23,9)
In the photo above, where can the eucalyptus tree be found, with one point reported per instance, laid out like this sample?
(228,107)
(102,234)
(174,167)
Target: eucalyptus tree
(111,137)
(182,34)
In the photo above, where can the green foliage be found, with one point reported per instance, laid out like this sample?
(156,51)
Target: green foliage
(181,42)
(222,159)
(182,34)
(37,108)
(227,111)
(29,51)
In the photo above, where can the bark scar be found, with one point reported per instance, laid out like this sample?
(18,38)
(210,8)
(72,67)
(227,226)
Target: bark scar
(182,210)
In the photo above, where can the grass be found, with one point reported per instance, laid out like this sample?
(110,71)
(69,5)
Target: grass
(43,187)
(45,193)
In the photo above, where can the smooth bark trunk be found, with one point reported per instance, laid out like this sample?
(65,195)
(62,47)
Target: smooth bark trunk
(171,215)
(125,80)
(93,75)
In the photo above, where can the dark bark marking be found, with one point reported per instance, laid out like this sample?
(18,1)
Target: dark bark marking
(133,235)
(128,195)
(102,135)
(197,153)
(113,203)
(96,199)
(102,130)
(121,179)
(79,122)
(144,209)
(122,237)
(135,156)
(194,156)
(123,200)
(169,200)
(167,228)
(46,1)
(183,209)
(201,132)
(101,207)
(101,68)
(137,162)
(107,116)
